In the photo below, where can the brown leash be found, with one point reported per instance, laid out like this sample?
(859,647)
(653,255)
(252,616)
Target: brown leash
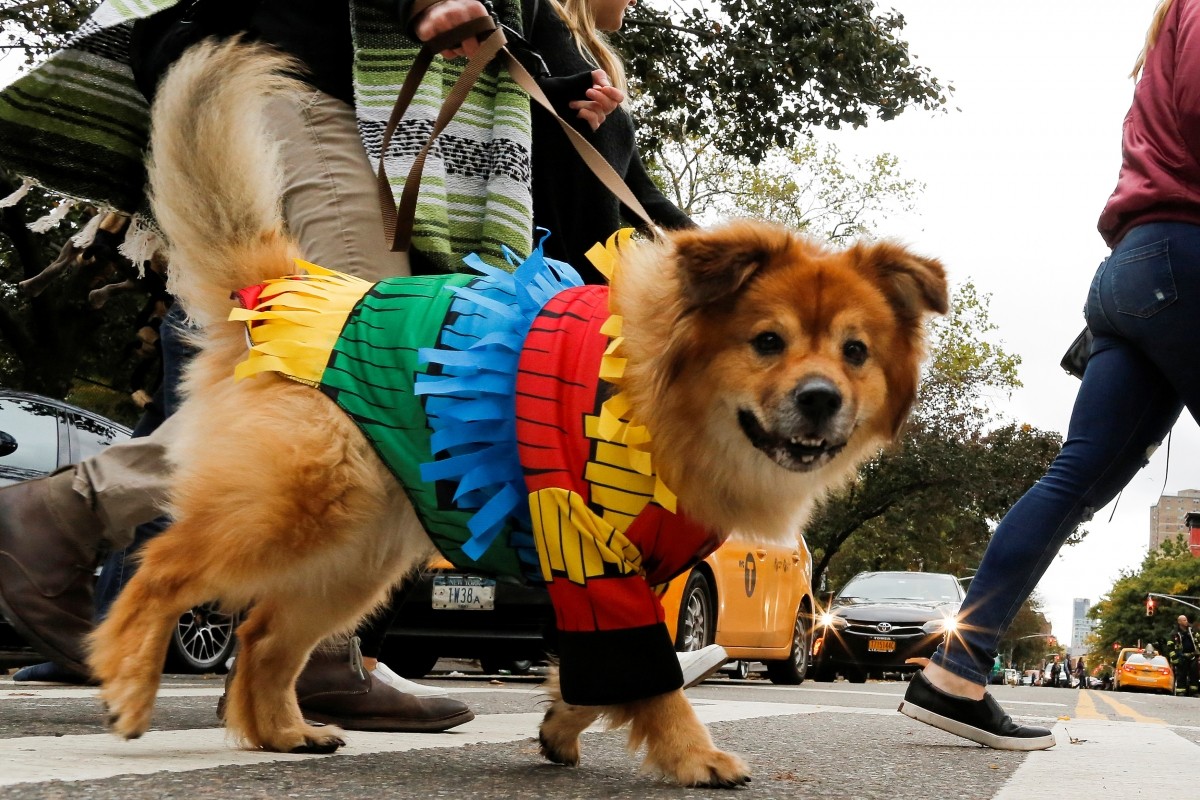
(398,221)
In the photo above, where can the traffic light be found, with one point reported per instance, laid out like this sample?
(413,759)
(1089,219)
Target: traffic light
(1050,640)
(1149,606)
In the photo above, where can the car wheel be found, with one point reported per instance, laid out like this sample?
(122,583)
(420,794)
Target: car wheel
(739,669)
(202,640)
(791,670)
(696,627)
(494,666)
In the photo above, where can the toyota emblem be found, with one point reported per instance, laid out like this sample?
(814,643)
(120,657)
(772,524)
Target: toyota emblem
(883,627)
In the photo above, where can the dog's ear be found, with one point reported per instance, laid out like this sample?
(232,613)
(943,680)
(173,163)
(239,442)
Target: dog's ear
(914,285)
(715,264)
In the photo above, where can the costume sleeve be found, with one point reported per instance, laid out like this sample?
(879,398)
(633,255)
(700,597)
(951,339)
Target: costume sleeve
(613,644)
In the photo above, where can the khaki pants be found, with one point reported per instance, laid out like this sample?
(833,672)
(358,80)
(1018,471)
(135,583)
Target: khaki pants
(332,209)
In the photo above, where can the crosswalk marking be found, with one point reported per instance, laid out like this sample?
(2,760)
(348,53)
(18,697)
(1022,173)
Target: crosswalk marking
(1101,756)
(1088,745)
(84,693)
(36,759)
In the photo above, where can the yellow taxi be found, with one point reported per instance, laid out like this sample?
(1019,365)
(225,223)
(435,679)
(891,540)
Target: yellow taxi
(754,600)
(1143,670)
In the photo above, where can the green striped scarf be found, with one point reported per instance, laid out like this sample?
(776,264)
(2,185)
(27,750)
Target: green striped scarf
(78,126)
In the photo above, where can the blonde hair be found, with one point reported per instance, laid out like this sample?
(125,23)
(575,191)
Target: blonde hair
(580,19)
(1160,14)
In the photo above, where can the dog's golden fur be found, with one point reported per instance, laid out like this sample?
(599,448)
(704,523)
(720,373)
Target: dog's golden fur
(281,506)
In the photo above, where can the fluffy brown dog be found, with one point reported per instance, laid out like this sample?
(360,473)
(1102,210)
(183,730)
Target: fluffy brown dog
(766,366)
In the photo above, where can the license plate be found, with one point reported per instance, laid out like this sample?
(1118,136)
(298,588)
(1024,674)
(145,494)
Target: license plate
(464,593)
(881,646)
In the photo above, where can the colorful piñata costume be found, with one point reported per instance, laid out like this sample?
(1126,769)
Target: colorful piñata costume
(492,398)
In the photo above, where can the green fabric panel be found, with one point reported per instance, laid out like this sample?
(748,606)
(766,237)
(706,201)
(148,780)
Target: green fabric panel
(370,376)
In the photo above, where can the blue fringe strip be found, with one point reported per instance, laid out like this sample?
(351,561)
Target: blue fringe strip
(471,404)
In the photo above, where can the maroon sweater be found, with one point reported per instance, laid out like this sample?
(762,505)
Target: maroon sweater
(1160,146)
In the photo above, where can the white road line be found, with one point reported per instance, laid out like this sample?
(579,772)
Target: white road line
(37,759)
(84,693)
(898,695)
(1107,750)
(1128,759)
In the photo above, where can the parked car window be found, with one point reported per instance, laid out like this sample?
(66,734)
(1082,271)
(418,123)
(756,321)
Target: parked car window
(34,427)
(91,436)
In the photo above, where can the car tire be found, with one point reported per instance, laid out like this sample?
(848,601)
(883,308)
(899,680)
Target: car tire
(824,673)
(494,666)
(791,671)
(697,627)
(202,640)
(854,675)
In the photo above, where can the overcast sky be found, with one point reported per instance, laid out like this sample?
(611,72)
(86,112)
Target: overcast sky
(1014,184)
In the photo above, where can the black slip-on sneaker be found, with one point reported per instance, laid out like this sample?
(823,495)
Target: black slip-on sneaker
(982,721)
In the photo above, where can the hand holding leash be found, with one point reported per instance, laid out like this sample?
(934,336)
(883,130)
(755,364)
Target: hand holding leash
(489,41)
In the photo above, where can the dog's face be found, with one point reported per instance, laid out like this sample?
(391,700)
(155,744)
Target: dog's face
(783,357)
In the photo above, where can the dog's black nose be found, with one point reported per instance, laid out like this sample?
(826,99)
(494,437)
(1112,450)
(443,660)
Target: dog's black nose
(818,400)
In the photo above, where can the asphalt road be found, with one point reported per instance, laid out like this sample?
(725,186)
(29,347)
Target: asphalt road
(817,740)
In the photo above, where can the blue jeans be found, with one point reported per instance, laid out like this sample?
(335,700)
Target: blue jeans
(1143,308)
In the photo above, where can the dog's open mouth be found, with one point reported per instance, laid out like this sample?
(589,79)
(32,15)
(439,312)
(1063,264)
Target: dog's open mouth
(795,453)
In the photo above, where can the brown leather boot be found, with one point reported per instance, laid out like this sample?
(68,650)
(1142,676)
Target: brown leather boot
(49,547)
(334,688)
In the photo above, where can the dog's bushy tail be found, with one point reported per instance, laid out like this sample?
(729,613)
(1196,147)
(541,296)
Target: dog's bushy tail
(215,174)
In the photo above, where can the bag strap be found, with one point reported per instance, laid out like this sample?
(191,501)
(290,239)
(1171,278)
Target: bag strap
(398,220)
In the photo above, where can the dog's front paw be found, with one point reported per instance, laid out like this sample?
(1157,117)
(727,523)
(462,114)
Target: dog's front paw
(127,714)
(306,739)
(711,769)
(319,744)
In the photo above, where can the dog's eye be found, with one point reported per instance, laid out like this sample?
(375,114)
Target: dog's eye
(767,343)
(855,352)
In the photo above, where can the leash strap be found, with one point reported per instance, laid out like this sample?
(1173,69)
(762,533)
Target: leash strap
(398,220)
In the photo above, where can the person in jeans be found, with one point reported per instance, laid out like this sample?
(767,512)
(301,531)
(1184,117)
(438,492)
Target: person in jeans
(1142,372)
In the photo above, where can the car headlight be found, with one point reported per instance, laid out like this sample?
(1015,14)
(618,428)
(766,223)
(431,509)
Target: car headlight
(943,625)
(829,620)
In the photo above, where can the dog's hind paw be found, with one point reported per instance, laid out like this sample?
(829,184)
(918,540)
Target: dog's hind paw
(566,754)
(713,769)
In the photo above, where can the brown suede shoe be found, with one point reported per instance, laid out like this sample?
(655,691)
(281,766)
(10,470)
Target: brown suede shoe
(335,689)
(49,548)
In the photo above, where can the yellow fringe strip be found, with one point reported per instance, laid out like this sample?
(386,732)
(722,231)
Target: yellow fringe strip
(616,421)
(297,322)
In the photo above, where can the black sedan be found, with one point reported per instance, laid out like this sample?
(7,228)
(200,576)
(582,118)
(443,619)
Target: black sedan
(39,435)
(880,619)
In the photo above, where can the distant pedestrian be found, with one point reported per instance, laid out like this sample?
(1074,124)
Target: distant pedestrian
(1183,651)
(1081,673)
